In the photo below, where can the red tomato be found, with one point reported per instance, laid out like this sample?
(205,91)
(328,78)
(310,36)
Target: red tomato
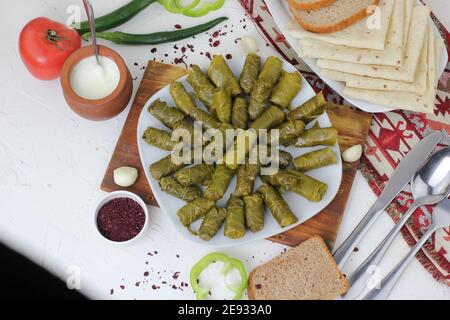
(44,45)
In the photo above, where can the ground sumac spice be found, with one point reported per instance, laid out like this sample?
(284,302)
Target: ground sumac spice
(120,219)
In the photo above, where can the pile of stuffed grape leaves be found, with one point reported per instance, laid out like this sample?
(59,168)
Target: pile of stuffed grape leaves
(259,98)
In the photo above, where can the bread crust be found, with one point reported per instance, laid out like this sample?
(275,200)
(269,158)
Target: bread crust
(319,4)
(358,16)
(251,285)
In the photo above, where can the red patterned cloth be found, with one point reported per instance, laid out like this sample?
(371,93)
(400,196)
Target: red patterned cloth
(391,136)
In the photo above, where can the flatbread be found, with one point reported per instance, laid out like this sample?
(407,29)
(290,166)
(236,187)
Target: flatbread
(405,100)
(439,45)
(358,35)
(392,55)
(420,22)
(409,4)
(361,82)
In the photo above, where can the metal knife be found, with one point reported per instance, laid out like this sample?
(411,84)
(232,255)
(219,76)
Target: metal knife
(400,178)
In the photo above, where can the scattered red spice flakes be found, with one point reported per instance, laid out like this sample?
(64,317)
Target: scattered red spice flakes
(177,26)
(154,287)
(137,284)
(122,287)
(356,249)
(174,287)
(216,43)
(112,291)
(120,219)
(146,274)
(177,255)
(215,34)
(176,275)
(153,50)
(229,56)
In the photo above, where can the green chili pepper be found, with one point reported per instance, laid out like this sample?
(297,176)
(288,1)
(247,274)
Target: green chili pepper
(117,17)
(229,264)
(204,9)
(175,6)
(157,37)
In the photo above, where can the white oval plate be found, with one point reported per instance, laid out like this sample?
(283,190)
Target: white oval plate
(282,16)
(303,209)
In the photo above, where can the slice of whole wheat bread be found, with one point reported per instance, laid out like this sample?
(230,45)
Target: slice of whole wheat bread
(310,4)
(337,16)
(306,272)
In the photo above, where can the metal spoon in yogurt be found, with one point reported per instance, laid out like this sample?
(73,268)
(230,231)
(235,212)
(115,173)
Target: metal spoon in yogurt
(90,14)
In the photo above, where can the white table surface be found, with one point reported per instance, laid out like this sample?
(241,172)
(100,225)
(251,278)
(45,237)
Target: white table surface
(52,163)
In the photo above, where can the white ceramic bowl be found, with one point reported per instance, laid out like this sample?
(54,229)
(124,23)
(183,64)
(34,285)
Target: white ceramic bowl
(122,194)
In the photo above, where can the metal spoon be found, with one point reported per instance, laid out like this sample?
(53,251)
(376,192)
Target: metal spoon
(90,14)
(440,219)
(430,185)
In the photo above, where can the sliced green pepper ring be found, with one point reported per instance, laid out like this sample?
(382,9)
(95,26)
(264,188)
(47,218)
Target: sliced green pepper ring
(175,6)
(229,264)
(204,9)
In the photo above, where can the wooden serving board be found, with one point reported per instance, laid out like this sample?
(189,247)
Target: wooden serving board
(352,125)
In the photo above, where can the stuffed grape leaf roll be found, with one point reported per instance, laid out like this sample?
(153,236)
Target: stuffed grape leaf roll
(186,104)
(246,176)
(165,167)
(221,75)
(317,137)
(283,159)
(194,210)
(271,70)
(286,89)
(315,159)
(250,72)
(159,138)
(270,118)
(222,104)
(166,115)
(289,131)
(310,110)
(201,84)
(278,207)
(235,221)
(187,193)
(259,99)
(212,222)
(254,212)
(308,187)
(239,114)
(220,182)
(196,174)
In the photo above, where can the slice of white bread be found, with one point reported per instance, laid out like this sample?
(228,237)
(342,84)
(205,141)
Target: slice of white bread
(310,4)
(306,272)
(337,16)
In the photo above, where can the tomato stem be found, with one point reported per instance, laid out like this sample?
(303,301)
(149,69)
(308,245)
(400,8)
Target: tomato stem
(54,38)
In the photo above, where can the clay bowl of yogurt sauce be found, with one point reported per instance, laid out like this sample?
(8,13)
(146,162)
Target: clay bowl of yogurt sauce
(93,91)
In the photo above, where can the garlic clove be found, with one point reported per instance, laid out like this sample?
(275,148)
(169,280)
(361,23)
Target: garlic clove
(125,176)
(249,44)
(353,153)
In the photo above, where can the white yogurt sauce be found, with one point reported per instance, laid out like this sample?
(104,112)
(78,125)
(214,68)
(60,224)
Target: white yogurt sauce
(92,81)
